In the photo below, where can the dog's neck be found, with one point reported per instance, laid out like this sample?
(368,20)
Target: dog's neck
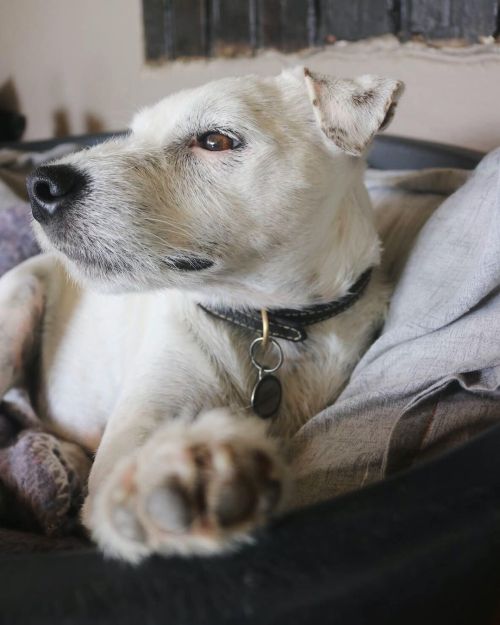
(291,324)
(340,244)
(343,244)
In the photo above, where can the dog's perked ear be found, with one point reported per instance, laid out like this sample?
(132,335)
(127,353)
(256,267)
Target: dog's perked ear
(351,112)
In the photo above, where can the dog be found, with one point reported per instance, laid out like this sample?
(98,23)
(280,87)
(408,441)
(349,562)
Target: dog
(208,284)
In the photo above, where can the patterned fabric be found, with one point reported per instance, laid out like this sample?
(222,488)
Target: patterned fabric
(17,242)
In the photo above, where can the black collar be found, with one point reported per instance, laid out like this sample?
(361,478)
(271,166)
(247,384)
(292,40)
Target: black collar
(290,324)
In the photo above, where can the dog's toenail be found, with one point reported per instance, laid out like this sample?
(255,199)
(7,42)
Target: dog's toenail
(169,509)
(127,524)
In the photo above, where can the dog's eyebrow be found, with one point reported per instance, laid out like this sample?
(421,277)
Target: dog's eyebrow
(208,119)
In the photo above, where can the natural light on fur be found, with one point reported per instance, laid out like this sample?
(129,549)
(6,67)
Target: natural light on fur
(247,192)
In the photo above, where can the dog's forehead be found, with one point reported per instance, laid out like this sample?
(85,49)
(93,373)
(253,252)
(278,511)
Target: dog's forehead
(221,103)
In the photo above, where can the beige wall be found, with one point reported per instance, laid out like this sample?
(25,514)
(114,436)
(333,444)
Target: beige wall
(77,65)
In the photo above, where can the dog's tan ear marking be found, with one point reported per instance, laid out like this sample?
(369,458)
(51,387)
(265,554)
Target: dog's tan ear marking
(351,112)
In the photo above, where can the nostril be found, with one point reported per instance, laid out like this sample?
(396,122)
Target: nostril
(44,193)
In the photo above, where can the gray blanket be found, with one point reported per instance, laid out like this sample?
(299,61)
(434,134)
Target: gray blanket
(431,379)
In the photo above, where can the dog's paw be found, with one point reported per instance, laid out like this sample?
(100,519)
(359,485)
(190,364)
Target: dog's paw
(199,488)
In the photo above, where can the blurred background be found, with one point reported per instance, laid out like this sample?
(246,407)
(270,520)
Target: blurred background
(79,66)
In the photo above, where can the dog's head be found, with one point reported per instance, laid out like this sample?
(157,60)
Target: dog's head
(213,188)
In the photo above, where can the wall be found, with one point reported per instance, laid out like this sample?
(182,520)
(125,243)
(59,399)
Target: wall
(78,65)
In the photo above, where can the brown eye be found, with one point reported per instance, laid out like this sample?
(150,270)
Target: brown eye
(217,142)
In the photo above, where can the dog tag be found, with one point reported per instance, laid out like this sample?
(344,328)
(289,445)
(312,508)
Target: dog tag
(266,396)
(267,392)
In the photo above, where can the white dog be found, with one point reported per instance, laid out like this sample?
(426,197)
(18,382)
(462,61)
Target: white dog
(223,202)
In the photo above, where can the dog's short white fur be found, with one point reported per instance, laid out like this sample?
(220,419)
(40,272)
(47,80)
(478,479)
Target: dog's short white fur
(130,367)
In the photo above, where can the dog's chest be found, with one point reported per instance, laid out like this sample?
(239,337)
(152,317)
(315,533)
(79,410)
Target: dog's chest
(313,376)
(89,345)
(313,372)
(99,349)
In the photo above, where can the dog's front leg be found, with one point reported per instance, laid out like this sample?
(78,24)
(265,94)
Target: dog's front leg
(194,487)
(23,293)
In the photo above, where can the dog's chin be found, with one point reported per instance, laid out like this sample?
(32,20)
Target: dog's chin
(91,279)
(105,277)
(103,273)
(95,276)
(88,270)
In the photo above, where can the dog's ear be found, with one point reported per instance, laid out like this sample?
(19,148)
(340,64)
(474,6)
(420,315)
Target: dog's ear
(351,112)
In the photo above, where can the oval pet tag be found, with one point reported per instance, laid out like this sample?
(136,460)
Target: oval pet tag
(266,396)
(267,392)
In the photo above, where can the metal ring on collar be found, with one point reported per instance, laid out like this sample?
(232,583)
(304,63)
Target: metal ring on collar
(277,348)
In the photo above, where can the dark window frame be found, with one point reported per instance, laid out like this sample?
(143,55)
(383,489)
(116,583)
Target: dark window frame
(207,28)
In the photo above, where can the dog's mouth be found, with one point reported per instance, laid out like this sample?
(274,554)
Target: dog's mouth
(95,263)
(188,263)
(90,259)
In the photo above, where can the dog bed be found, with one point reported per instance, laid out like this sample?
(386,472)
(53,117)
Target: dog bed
(421,546)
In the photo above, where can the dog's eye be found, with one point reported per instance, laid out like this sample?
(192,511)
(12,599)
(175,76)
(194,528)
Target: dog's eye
(217,142)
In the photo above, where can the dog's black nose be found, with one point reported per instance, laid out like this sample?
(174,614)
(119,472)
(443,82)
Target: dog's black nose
(52,188)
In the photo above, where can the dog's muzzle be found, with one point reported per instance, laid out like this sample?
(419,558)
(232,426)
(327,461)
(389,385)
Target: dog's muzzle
(52,190)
